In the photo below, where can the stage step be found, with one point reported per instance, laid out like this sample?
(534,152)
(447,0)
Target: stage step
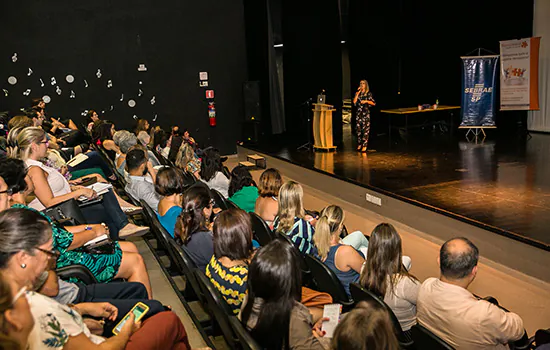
(255,160)
(247,164)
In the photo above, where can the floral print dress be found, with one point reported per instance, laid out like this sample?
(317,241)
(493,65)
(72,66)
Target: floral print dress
(363,119)
(103,266)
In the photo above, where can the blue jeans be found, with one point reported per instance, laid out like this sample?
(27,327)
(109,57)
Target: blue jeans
(357,240)
(94,161)
(107,211)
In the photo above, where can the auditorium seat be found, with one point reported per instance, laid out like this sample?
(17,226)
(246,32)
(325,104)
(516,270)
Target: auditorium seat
(186,267)
(260,229)
(246,340)
(307,279)
(359,293)
(424,339)
(218,199)
(162,236)
(231,205)
(218,309)
(327,281)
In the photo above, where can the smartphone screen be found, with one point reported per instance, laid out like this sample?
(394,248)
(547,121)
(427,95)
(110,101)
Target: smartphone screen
(138,312)
(332,311)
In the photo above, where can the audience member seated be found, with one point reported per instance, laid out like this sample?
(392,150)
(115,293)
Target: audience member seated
(242,189)
(23,261)
(123,261)
(290,218)
(170,185)
(188,139)
(450,311)
(102,136)
(93,165)
(174,143)
(91,118)
(144,138)
(142,125)
(160,140)
(267,204)
(228,267)
(141,182)
(15,316)
(272,310)
(211,172)
(344,260)
(51,188)
(365,327)
(386,274)
(124,140)
(122,295)
(193,226)
(150,155)
(188,160)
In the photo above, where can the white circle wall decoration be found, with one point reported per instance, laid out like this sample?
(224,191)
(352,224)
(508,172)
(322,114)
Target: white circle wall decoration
(69,78)
(12,80)
(46,99)
(131,103)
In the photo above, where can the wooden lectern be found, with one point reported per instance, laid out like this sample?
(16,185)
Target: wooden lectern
(322,127)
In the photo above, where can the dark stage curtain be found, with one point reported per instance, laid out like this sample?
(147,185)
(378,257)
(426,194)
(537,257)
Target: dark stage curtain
(262,65)
(312,61)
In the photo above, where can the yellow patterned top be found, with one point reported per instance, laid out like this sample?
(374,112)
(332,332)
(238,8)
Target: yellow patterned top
(231,282)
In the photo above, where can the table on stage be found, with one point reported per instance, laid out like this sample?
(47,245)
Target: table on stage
(414,110)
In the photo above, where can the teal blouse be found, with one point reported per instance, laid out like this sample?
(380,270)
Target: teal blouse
(245,198)
(103,266)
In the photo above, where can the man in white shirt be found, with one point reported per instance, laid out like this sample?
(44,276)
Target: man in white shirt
(141,184)
(450,311)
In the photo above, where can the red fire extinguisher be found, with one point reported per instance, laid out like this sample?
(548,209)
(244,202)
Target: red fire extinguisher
(212,113)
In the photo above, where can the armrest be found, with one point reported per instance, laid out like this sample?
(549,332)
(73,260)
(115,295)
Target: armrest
(76,271)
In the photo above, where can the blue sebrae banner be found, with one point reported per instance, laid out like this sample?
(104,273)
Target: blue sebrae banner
(478,90)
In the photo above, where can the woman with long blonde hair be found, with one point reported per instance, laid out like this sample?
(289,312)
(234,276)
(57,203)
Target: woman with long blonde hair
(386,274)
(50,187)
(343,259)
(188,160)
(291,220)
(363,100)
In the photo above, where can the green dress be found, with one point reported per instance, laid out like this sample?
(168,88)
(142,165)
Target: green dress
(103,266)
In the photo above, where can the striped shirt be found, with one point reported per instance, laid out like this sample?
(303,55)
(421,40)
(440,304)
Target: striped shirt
(231,282)
(301,235)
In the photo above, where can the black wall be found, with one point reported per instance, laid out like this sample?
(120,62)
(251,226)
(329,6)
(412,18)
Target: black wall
(174,39)
(409,51)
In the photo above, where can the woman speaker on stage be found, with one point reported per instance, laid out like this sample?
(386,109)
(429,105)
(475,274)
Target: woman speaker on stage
(363,99)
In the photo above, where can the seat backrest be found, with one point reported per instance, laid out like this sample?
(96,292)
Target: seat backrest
(226,172)
(218,308)
(133,199)
(359,293)
(187,266)
(326,280)
(162,236)
(218,199)
(231,205)
(190,178)
(246,340)
(424,339)
(261,230)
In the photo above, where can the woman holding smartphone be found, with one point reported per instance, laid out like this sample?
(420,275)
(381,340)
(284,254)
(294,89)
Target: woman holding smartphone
(26,251)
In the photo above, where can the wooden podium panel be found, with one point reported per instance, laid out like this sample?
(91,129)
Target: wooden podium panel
(322,127)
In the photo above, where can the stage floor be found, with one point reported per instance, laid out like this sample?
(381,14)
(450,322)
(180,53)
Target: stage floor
(501,184)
